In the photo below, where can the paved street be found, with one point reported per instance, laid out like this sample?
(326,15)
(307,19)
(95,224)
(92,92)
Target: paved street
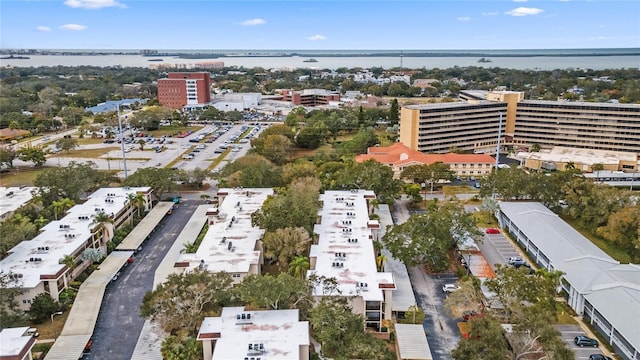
(119,323)
(441,329)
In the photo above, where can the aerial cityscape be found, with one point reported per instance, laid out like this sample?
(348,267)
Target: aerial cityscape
(274,180)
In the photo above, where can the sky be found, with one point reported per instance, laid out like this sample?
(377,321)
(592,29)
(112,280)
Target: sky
(319,25)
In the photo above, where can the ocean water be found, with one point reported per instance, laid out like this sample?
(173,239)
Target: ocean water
(596,59)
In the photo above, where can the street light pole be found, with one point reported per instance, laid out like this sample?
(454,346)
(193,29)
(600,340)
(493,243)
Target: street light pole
(124,154)
(54,314)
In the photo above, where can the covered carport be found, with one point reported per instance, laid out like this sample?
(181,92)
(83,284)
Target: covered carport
(82,319)
(140,233)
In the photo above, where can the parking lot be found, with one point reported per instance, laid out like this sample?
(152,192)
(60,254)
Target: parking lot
(568,333)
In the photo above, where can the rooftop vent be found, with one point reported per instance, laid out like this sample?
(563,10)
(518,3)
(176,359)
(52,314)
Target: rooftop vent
(224,240)
(230,245)
(350,204)
(83,217)
(243,318)
(111,201)
(352,240)
(65,227)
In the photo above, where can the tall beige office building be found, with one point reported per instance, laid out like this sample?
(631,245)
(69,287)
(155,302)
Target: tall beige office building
(472,125)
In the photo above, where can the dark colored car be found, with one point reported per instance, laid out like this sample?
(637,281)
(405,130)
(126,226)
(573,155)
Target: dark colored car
(598,357)
(585,341)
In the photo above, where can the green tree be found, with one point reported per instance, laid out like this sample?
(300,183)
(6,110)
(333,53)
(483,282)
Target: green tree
(283,245)
(141,142)
(413,315)
(486,340)
(92,255)
(13,231)
(60,206)
(369,175)
(160,179)
(394,112)
(181,348)
(10,289)
(7,155)
(283,291)
(137,200)
(429,238)
(42,306)
(105,222)
(297,207)
(298,266)
(184,300)
(70,181)
(31,154)
(623,228)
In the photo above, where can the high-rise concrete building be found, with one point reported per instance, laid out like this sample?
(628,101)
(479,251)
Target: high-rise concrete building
(473,125)
(184,88)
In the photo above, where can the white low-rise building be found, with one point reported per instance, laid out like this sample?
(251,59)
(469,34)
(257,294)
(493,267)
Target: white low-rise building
(12,198)
(38,265)
(345,252)
(231,244)
(16,344)
(239,333)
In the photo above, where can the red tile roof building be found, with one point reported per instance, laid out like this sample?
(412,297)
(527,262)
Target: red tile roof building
(399,157)
(184,88)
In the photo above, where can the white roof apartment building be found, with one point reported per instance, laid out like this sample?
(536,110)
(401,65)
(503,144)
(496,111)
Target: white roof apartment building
(239,333)
(345,252)
(605,292)
(37,266)
(231,243)
(12,198)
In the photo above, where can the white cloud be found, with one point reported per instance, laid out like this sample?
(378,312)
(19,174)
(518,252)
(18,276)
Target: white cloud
(464,18)
(492,13)
(596,38)
(93,4)
(524,11)
(43,28)
(519,0)
(73,27)
(253,22)
(317,37)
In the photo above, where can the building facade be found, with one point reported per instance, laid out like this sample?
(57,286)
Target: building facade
(310,97)
(399,157)
(473,125)
(184,88)
(345,252)
(51,260)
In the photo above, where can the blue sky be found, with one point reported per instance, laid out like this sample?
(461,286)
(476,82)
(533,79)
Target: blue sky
(319,25)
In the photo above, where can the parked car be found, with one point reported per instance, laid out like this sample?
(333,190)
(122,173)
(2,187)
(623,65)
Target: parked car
(449,288)
(471,314)
(526,267)
(598,357)
(582,340)
(492,231)
(516,261)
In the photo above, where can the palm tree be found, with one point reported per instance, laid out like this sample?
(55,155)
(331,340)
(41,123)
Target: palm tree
(61,205)
(299,266)
(102,220)
(137,200)
(40,222)
(69,261)
(141,143)
(570,165)
(380,261)
(189,248)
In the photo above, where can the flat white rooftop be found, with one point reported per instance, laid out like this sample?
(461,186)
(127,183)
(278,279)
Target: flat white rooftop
(345,246)
(41,256)
(13,341)
(229,244)
(11,198)
(267,334)
(583,156)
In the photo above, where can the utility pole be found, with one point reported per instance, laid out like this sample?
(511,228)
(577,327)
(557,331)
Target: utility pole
(124,154)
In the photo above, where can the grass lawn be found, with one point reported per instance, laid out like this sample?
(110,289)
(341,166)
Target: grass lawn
(449,190)
(611,249)
(485,219)
(89,141)
(87,153)
(20,176)
(49,330)
(171,130)
(564,314)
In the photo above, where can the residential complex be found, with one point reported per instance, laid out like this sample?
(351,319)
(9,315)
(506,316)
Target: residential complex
(240,333)
(184,88)
(399,157)
(599,288)
(310,97)
(345,251)
(38,265)
(558,158)
(231,244)
(473,125)
(12,198)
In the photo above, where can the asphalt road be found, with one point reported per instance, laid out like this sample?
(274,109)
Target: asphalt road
(440,326)
(119,323)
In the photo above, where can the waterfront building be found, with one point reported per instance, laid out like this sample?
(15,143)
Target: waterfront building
(184,88)
(240,333)
(345,251)
(473,124)
(40,265)
(399,157)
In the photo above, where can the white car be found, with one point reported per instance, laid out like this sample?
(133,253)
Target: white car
(449,288)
